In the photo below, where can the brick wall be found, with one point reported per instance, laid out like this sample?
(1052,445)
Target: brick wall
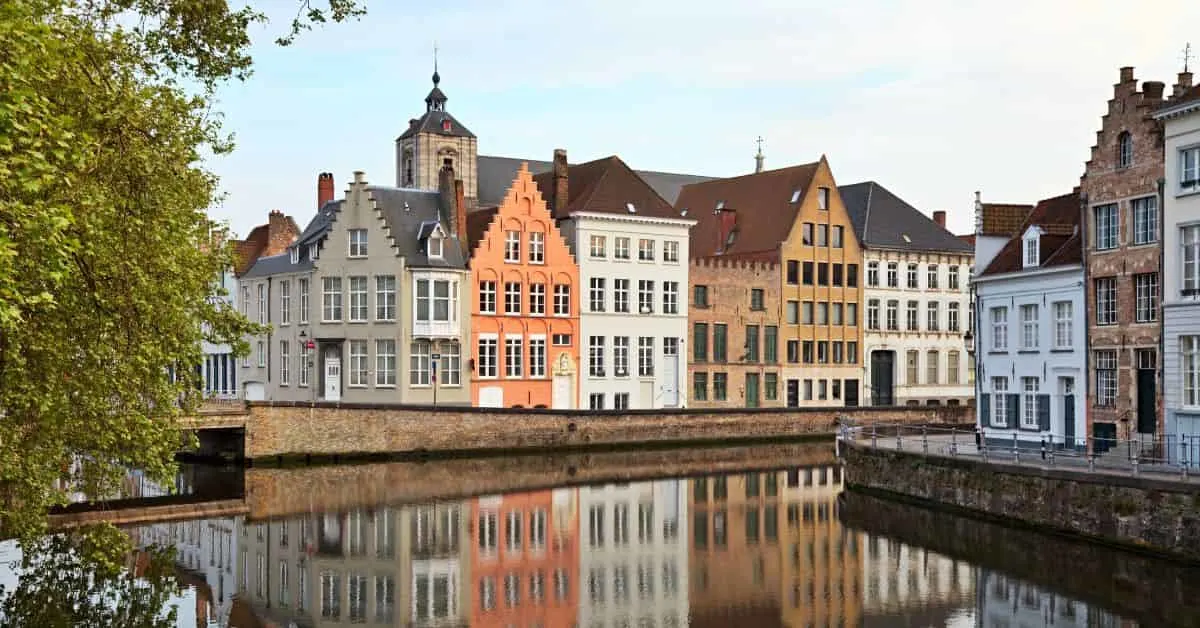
(729,284)
(1104,182)
(279,492)
(285,428)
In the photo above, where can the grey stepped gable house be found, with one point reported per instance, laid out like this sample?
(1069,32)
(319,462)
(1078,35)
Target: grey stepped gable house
(366,296)
(918,354)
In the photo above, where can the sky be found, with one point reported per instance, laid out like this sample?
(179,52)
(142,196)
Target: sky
(933,99)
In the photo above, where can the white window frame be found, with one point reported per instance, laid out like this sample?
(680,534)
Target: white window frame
(596,296)
(512,247)
(913,276)
(621,248)
(645,250)
(872,274)
(1000,402)
(893,275)
(451,363)
(1189,370)
(1145,219)
(621,295)
(933,316)
(303,368)
(420,358)
(1029,395)
(285,362)
(512,533)
(331,299)
(512,298)
(487,296)
(1189,170)
(262,303)
(262,354)
(537,247)
(596,352)
(303,284)
(562,299)
(359,368)
(489,533)
(670,251)
(1064,324)
(285,303)
(356,243)
(597,247)
(645,296)
(385,297)
(487,353)
(645,356)
(385,363)
(435,246)
(1106,377)
(537,356)
(670,303)
(932,271)
(1107,219)
(514,356)
(999,316)
(537,299)
(1146,291)
(1189,258)
(537,530)
(1032,250)
(952,317)
(359,299)
(1106,300)
(621,356)
(431,301)
(952,281)
(1029,326)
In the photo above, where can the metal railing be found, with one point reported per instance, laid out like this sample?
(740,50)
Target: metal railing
(1159,455)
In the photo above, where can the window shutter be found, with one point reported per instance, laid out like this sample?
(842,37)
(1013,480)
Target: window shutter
(1043,412)
(985,410)
(1014,410)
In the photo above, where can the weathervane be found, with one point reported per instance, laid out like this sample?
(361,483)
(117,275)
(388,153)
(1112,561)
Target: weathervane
(760,141)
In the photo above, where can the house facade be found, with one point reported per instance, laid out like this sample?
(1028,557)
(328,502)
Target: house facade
(1181,266)
(735,334)
(917,295)
(1122,258)
(524,314)
(793,217)
(1032,347)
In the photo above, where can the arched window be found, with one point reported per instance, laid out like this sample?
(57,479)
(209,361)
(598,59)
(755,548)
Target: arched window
(1124,150)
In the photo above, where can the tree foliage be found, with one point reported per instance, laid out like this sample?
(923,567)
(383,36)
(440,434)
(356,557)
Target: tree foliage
(107,255)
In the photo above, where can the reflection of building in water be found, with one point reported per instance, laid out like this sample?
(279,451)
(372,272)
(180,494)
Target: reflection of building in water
(524,558)
(378,567)
(735,558)
(821,578)
(1008,603)
(633,559)
(904,581)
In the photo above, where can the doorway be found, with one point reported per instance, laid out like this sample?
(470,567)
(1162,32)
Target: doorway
(333,379)
(752,390)
(883,378)
(1066,387)
(1147,394)
(562,399)
(851,388)
(793,393)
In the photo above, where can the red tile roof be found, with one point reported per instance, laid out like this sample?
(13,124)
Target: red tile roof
(477,226)
(764,213)
(605,185)
(1060,245)
(1003,219)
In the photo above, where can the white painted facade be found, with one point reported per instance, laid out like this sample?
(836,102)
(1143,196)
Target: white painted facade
(1181,277)
(899,576)
(917,311)
(633,560)
(1031,339)
(1003,601)
(219,370)
(608,380)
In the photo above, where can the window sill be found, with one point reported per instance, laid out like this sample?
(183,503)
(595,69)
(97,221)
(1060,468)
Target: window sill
(1062,350)
(998,352)
(1028,351)
(1182,193)
(362,322)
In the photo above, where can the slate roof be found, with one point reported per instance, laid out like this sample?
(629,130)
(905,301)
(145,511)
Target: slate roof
(883,220)
(762,204)
(431,122)
(1061,244)
(605,185)
(495,174)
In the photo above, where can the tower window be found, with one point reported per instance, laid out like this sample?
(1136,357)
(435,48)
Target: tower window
(448,163)
(446,125)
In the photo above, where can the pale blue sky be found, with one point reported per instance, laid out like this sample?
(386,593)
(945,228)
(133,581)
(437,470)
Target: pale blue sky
(934,99)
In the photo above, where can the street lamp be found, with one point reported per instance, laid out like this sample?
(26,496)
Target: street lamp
(305,346)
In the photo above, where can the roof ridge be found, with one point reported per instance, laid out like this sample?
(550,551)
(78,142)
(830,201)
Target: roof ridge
(796,167)
(867,215)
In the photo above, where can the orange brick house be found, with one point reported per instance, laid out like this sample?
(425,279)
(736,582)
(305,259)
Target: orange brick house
(524,316)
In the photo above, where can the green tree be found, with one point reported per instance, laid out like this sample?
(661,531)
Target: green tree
(107,255)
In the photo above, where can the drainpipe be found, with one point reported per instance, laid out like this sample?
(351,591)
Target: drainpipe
(1084,225)
(1159,371)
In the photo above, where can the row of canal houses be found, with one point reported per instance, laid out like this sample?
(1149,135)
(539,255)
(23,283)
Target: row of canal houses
(1087,302)
(500,282)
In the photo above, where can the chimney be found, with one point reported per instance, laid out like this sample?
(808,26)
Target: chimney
(460,215)
(1153,90)
(1127,74)
(939,217)
(324,188)
(560,198)
(446,197)
(726,220)
(1182,83)
(280,233)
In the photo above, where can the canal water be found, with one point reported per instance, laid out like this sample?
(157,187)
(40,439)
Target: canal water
(759,545)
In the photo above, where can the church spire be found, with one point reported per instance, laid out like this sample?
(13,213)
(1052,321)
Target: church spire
(758,158)
(436,100)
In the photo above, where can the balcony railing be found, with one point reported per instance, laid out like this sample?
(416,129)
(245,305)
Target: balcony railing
(436,329)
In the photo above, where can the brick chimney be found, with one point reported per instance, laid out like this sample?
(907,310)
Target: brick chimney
(726,221)
(447,212)
(280,233)
(939,217)
(1183,82)
(1153,90)
(324,188)
(560,199)
(1127,74)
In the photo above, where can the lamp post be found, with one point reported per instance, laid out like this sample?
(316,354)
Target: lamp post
(305,346)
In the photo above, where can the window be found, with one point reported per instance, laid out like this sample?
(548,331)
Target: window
(1145,220)
(512,298)
(513,359)
(822,198)
(331,289)
(1063,314)
(806,233)
(837,236)
(931,367)
(999,329)
(331,594)
(756,299)
(621,355)
(358,242)
(285,302)
(1029,415)
(262,304)
(645,296)
(700,296)
(562,299)
(771,343)
(912,316)
(700,342)
(597,246)
(596,295)
(822,235)
(1189,170)
(793,272)
(700,386)
(952,367)
(487,592)
(806,312)
(771,386)
(1032,254)
(537,299)
(719,386)
(952,317)
(720,334)
(385,298)
(752,343)
(931,277)
(451,363)
(893,315)
(1190,241)
(512,247)
(621,248)
(1106,226)
(1029,327)
(487,297)
(562,585)
(1106,301)
(670,251)
(851,314)
(442,305)
(285,362)
(807,352)
(1106,378)
(645,356)
(837,274)
(561,340)
(596,356)
(851,275)
(1145,287)
(488,347)
(952,278)
(646,250)
(873,314)
(913,277)
(358,299)
(893,275)
(1189,347)
(1000,401)
(822,274)
(303,283)
(872,274)
(912,366)
(303,366)
(537,357)
(1124,150)
(512,589)
(358,363)
(489,533)
(837,317)
(537,247)
(670,303)
(792,313)
(621,401)
(596,401)
(434,247)
(512,532)
(385,362)
(420,356)
(807,273)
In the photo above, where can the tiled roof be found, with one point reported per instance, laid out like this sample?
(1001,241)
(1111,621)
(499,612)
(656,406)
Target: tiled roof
(496,174)
(1059,246)
(1003,219)
(477,226)
(605,185)
(883,220)
(762,205)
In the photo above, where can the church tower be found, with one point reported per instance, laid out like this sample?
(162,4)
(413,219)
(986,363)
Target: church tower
(434,141)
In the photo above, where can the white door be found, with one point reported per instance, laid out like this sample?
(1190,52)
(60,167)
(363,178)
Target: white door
(670,382)
(563,399)
(333,379)
(491,397)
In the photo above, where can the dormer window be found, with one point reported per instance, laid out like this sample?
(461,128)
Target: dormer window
(1031,249)
(312,251)
(435,245)
(446,125)
(795,196)
(295,255)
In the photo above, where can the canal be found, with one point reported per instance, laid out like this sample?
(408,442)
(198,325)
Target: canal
(763,542)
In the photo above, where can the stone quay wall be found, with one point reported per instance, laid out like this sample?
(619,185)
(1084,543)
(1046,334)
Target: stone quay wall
(1148,514)
(344,429)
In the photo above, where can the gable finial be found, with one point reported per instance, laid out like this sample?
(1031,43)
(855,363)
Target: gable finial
(1187,55)
(436,77)
(759,157)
